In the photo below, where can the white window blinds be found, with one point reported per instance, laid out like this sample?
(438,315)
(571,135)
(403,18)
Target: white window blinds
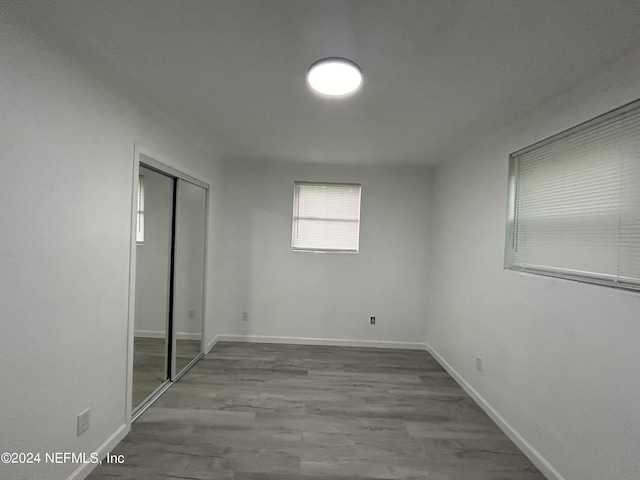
(140,216)
(326,217)
(575,202)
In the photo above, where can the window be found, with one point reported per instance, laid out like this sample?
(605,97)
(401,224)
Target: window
(574,203)
(326,217)
(140,217)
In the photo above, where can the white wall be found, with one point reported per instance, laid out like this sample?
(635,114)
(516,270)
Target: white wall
(560,359)
(324,297)
(66,178)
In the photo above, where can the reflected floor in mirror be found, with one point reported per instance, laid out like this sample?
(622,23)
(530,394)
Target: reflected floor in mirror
(149,368)
(267,412)
(186,351)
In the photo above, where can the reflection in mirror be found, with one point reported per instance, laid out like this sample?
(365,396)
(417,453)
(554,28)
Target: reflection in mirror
(189,272)
(153,248)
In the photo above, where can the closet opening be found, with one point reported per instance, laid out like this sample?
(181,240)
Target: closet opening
(168,295)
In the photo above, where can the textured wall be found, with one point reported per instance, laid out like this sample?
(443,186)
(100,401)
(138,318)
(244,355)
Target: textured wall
(559,358)
(325,296)
(66,173)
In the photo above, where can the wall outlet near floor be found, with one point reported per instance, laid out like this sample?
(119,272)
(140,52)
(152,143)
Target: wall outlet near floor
(192,314)
(479,364)
(245,316)
(83,422)
(373,320)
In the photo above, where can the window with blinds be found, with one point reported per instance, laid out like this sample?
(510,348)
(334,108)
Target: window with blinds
(140,215)
(574,203)
(326,217)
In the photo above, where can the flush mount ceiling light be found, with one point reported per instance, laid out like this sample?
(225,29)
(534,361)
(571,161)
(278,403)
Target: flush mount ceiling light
(334,77)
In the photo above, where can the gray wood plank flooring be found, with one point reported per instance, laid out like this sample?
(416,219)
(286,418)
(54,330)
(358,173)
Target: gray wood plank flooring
(293,412)
(149,370)
(149,363)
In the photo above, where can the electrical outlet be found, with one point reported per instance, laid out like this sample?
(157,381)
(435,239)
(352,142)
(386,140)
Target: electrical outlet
(192,314)
(373,320)
(479,364)
(83,422)
(245,316)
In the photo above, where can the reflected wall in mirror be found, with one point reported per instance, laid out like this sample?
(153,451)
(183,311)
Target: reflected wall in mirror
(153,249)
(191,206)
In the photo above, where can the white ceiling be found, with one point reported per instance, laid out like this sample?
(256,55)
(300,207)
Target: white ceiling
(439,75)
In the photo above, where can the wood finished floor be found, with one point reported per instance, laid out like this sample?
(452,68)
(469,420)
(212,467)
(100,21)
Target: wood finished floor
(287,412)
(149,369)
(149,363)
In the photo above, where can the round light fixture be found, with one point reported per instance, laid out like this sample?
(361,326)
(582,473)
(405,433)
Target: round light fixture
(334,76)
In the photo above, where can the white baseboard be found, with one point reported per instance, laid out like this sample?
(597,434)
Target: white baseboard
(211,344)
(85,469)
(536,457)
(157,334)
(318,341)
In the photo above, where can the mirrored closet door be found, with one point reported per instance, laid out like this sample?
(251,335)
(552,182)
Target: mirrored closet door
(189,272)
(153,268)
(170,274)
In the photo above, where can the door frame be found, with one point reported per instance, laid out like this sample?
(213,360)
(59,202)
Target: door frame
(160,164)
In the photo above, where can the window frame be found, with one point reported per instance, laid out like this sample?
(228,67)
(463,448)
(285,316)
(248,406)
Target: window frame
(602,279)
(294,216)
(140,211)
